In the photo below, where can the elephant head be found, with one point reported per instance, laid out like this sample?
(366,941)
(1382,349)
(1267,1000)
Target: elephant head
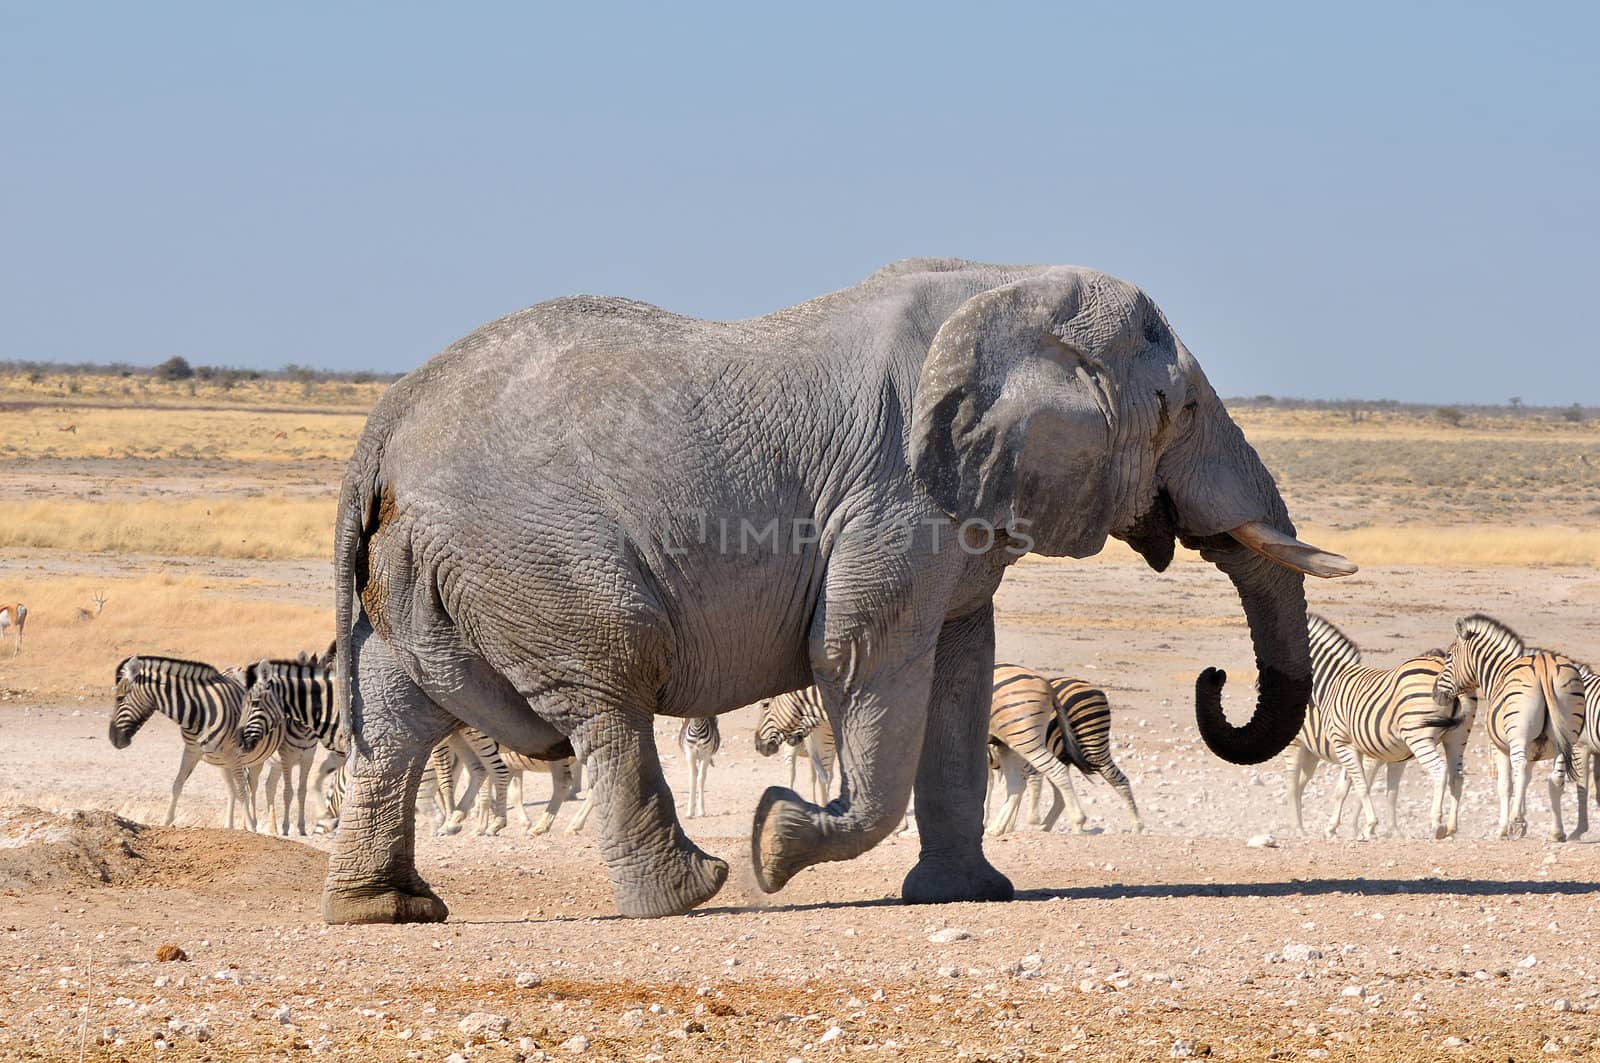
(1062,407)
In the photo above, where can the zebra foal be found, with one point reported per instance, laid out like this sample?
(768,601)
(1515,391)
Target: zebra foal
(206,704)
(1361,716)
(301,691)
(1535,705)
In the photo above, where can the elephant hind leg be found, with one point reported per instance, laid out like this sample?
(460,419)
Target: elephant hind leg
(372,873)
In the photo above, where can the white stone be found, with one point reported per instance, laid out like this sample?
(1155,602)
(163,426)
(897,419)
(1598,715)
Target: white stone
(1301,953)
(948,935)
(1262,841)
(1353,991)
(1561,1004)
(527,980)
(1528,961)
(483,1026)
(1452,1042)
(577,1044)
(830,1034)
(1181,1049)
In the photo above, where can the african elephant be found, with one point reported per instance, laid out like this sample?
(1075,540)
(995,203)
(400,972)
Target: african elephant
(594,511)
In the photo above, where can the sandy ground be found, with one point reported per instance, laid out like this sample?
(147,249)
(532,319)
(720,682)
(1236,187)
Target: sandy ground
(1184,941)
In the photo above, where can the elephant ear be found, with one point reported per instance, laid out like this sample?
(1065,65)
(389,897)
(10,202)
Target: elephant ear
(1012,422)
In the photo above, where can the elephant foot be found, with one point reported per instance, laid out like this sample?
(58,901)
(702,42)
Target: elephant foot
(352,905)
(671,885)
(782,838)
(947,881)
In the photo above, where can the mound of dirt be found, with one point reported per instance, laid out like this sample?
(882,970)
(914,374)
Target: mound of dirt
(40,850)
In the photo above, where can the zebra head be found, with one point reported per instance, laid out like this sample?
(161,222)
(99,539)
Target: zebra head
(136,700)
(263,706)
(1480,641)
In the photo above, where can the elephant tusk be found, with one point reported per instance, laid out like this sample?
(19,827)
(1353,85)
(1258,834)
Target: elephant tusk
(1290,552)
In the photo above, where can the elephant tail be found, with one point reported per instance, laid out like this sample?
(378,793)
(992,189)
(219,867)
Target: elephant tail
(359,496)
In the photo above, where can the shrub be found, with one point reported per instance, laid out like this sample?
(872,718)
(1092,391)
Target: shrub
(1450,415)
(174,368)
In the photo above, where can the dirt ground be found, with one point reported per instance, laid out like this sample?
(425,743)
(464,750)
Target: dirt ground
(1184,941)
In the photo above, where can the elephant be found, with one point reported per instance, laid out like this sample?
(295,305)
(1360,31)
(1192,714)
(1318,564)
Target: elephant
(595,511)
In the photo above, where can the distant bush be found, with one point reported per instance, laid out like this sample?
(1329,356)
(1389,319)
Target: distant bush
(1450,415)
(1573,413)
(174,368)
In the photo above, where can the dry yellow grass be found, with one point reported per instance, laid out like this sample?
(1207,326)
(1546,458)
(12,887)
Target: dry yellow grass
(181,616)
(165,433)
(144,390)
(267,528)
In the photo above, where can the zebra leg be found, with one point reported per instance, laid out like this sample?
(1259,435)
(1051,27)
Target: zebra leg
(580,817)
(1302,765)
(560,787)
(792,760)
(191,756)
(1433,755)
(1456,763)
(1555,786)
(1341,790)
(1581,757)
(304,763)
(270,788)
(372,872)
(1360,768)
(1034,787)
(1502,780)
(1006,816)
(1119,782)
(1391,784)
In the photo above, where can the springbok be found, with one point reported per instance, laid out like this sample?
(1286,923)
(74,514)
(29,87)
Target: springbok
(99,607)
(13,615)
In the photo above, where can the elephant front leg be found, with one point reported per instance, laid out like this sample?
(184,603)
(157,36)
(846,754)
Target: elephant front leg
(950,775)
(655,869)
(372,872)
(878,718)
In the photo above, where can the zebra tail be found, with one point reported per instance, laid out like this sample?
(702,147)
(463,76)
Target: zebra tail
(1555,706)
(1069,744)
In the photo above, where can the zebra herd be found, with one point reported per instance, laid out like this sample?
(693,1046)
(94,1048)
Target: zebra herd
(273,715)
(1542,705)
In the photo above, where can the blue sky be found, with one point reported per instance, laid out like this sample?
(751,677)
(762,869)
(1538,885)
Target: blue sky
(1378,201)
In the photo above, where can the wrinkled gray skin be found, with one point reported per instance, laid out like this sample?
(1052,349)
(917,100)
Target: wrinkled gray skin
(529,543)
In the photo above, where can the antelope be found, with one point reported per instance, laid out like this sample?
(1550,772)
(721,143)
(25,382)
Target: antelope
(99,607)
(13,615)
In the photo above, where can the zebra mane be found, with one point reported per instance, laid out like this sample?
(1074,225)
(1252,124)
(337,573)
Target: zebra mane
(1323,633)
(178,665)
(1483,623)
(1436,653)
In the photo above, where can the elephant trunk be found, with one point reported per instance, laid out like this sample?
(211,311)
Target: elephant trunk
(1273,597)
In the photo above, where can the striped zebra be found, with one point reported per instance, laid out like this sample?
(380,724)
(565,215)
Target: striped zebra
(1587,755)
(1535,706)
(699,738)
(1048,725)
(1362,716)
(480,755)
(206,704)
(302,691)
(13,614)
(794,720)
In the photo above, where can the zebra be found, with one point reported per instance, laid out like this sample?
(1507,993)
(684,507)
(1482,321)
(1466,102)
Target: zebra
(1048,724)
(480,754)
(699,738)
(790,721)
(1362,716)
(205,703)
(1587,755)
(1535,702)
(563,784)
(302,691)
(13,614)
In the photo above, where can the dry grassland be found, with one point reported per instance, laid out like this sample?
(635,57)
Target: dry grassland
(74,433)
(141,390)
(192,617)
(269,528)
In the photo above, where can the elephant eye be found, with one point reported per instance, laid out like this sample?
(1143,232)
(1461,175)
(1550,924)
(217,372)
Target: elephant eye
(1153,332)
